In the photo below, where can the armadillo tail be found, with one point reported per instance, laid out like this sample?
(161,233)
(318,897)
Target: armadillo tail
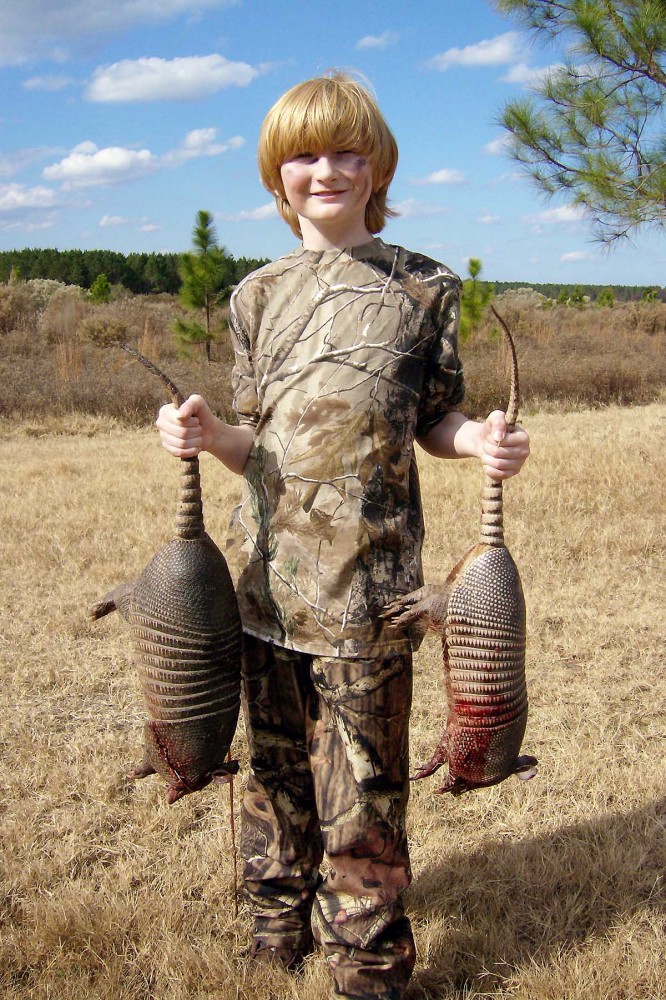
(514,390)
(189,516)
(164,379)
(492,523)
(492,526)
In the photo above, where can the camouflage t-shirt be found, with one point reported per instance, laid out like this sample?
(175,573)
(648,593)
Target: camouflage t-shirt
(342,359)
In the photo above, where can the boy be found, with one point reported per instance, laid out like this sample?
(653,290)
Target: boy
(346,352)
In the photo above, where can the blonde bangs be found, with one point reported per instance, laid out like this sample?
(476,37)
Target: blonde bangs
(328,113)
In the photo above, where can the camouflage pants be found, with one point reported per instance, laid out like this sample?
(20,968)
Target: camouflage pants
(329,754)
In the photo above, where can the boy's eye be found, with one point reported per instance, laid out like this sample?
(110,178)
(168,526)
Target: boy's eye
(344,157)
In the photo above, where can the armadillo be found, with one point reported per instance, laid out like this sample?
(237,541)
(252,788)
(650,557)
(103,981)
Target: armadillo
(479,611)
(186,634)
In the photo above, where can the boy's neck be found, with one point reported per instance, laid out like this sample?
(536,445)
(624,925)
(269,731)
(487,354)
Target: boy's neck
(328,238)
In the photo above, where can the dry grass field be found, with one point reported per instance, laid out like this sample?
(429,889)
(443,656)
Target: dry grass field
(544,890)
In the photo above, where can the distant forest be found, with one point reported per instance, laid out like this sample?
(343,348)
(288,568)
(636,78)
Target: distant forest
(622,293)
(141,273)
(146,273)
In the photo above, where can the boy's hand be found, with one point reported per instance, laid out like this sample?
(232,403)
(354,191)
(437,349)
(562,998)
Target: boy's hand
(502,454)
(189,430)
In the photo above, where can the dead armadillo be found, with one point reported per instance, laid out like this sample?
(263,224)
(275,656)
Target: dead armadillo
(186,634)
(480,613)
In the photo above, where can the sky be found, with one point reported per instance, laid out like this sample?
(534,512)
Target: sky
(121,120)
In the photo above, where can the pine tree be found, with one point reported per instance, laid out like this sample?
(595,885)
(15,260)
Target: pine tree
(207,276)
(100,290)
(475,297)
(594,128)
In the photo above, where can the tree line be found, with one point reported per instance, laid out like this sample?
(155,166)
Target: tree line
(621,293)
(140,273)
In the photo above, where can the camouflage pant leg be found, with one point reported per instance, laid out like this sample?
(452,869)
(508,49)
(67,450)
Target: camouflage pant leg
(359,760)
(280,840)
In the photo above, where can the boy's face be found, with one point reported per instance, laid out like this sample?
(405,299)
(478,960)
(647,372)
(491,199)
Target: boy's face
(329,192)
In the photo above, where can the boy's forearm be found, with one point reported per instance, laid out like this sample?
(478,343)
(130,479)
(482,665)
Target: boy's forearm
(455,436)
(231,445)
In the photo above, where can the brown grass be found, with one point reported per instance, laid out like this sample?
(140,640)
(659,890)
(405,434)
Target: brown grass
(544,890)
(53,358)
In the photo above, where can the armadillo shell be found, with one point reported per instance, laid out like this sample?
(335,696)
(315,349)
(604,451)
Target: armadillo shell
(187,637)
(484,655)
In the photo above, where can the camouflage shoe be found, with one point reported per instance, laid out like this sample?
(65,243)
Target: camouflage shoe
(284,956)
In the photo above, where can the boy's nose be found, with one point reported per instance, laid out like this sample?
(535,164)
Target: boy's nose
(326,165)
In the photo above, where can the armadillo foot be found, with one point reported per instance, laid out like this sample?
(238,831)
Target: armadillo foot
(425,608)
(456,786)
(117,599)
(99,609)
(525,767)
(224,774)
(439,757)
(142,770)
(173,794)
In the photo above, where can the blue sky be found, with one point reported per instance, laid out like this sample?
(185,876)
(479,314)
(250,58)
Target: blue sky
(120,120)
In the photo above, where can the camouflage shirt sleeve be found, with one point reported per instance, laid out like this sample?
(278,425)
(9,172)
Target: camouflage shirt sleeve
(243,380)
(443,386)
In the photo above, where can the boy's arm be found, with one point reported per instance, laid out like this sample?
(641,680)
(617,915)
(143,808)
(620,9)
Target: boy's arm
(194,428)
(502,454)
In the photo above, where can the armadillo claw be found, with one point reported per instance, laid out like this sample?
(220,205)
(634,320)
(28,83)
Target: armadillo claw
(439,757)
(427,606)
(456,786)
(116,600)
(99,609)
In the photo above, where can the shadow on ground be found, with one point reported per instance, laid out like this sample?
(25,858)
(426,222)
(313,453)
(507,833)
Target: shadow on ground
(517,902)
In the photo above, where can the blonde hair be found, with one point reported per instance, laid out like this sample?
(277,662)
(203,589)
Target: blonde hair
(332,112)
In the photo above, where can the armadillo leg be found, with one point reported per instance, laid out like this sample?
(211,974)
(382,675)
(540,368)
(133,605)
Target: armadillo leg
(116,600)
(143,769)
(440,756)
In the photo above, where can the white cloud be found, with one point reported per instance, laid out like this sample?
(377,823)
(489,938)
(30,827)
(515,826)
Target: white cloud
(444,176)
(182,79)
(488,220)
(512,177)
(268,211)
(412,208)
(575,255)
(529,76)
(201,142)
(48,83)
(565,213)
(378,41)
(498,146)
(19,198)
(113,220)
(29,225)
(142,225)
(14,162)
(499,51)
(88,166)
(43,28)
